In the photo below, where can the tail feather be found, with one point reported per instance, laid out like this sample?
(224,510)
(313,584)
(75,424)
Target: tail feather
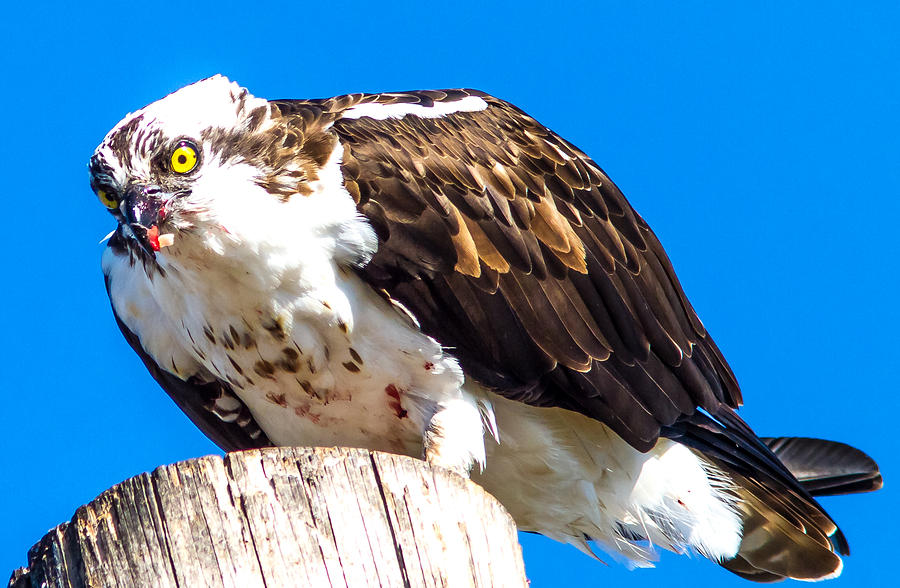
(826,468)
(783,537)
(786,532)
(738,565)
(787,535)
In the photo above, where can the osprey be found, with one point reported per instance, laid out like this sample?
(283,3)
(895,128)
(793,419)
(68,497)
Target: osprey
(436,274)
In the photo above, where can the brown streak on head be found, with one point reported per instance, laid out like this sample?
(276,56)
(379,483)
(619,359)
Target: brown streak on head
(120,142)
(256,118)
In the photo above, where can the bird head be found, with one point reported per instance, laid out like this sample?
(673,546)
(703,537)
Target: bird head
(210,167)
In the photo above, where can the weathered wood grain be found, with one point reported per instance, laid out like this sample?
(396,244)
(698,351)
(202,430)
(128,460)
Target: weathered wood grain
(284,517)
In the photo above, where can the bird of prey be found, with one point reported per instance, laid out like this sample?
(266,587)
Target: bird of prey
(436,274)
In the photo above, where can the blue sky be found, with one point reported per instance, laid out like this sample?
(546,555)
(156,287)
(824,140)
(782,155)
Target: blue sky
(761,143)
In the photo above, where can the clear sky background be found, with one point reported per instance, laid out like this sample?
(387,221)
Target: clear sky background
(760,140)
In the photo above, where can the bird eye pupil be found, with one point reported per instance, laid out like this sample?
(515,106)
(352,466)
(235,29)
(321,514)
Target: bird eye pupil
(182,159)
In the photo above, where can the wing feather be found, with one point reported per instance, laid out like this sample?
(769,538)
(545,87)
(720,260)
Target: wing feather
(505,241)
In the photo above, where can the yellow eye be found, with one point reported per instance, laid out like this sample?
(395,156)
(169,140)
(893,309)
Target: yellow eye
(108,198)
(184,158)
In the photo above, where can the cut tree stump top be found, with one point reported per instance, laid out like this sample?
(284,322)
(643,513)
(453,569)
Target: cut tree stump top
(284,517)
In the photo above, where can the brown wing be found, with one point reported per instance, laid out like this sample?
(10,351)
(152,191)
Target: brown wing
(513,248)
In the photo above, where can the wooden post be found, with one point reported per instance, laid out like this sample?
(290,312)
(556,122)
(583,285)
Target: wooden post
(284,517)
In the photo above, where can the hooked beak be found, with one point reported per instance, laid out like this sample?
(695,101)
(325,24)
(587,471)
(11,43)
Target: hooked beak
(144,209)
